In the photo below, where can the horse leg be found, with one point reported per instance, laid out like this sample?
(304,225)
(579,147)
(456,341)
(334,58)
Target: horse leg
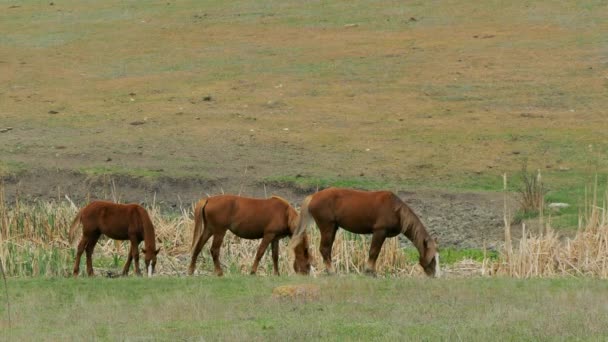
(81,246)
(215,251)
(89,249)
(261,250)
(275,255)
(134,251)
(374,250)
(125,270)
(328,234)
(198,248)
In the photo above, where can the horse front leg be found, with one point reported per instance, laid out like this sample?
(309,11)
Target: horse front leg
(134,253)
(89,250)
(378,238)
(261,250)
(125,270)
(275,255)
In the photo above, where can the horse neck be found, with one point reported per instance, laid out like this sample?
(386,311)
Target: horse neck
(413,229)
(148,229)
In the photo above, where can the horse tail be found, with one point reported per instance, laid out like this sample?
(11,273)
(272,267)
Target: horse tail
(74,226)
(304,221)
(199,220)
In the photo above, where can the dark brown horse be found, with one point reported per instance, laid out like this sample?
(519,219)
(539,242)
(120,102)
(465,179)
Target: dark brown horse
(268,219)
(119,222)
(380,213)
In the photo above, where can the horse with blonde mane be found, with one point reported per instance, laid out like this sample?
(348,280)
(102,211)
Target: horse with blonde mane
(381,213)
(119,222)
(268,219)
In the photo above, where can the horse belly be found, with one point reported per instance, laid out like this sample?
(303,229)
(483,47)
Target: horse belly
(247,232)
(116,234)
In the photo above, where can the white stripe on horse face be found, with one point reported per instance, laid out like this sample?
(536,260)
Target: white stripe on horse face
(437,268)
(149,270)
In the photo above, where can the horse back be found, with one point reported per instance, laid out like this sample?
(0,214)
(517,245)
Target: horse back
(117,221)
(356,211)
(247,217)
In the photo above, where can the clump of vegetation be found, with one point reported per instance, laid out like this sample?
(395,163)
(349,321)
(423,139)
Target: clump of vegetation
(532,194)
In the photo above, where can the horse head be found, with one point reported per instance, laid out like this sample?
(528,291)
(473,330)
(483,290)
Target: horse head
(303,257)
(150,259)
(429,257)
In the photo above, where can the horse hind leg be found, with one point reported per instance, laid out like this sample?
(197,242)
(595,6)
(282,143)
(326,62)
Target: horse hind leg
(89,250)
(261,250)
(198,248)
(80,249)
(328,235)
(215,251)
(374,250)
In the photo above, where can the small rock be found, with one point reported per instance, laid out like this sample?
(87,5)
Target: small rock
(558,205)
(137,123)
(413,19)
(4,130)
(53,112)
(564,168)
(108,159)
(207,98)
(351,25)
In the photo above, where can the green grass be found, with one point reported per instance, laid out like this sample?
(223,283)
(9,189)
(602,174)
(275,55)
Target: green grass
(450,256)
(350,308)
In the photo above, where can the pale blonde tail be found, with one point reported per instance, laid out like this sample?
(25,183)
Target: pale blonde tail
(199,211)
(74,226)
(304,221)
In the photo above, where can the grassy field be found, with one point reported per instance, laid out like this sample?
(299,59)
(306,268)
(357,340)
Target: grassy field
(349,308)
(439,94)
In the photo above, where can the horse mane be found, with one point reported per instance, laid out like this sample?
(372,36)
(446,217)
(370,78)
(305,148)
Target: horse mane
(148,229)
(412,227)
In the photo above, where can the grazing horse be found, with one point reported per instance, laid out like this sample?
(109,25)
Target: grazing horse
(249,218)
(119,222)
(380,213)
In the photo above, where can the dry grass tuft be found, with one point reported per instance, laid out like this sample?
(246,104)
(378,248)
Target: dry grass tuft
(546,254)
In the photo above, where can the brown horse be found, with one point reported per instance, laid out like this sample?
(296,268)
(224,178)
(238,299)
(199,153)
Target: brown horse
(380,213)
(119,222)
(267,219)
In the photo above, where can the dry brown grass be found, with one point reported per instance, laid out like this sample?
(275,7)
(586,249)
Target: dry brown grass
(546,254)
(34,241)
